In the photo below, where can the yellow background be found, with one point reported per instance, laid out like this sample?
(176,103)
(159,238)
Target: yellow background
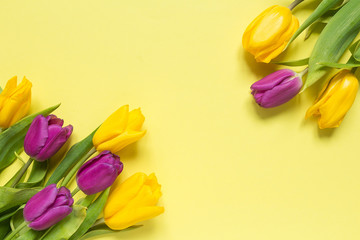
(229,169)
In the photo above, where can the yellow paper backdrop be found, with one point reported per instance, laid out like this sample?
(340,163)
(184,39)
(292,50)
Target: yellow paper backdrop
(229,169)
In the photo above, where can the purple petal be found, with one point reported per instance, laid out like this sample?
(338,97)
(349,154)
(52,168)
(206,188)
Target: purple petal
(51,217)
(53,130)
(92,161)
(54,144)
(36,136)
(52,119)
(281,93)
(97,178)
(63,191)
(38,204)
(273,79)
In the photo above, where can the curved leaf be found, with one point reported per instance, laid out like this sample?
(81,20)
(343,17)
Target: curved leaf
(295,63)
(37,175)
(12,197)
(334,40)
(323,7)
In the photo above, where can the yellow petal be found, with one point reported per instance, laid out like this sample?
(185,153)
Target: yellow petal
(335,100)
(7,91)
(136,120)
(130,217)
(121,195)
(268,34)
(113,126)
(116,144)
(16,104)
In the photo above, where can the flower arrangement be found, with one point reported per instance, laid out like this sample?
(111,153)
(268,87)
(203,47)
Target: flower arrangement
(270,34)
(33,208)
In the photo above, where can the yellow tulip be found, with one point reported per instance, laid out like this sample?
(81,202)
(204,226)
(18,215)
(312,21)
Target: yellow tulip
(132,201)
(335,100)
(268,34)
(14,101)
(119,130)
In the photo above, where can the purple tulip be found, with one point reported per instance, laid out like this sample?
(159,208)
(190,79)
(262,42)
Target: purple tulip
(99,173)
(48,207)
(276,88)
(45,137)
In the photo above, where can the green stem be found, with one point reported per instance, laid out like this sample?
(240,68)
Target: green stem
(18,229)
(21,172)
(76,167)
(294,4)
(75,191)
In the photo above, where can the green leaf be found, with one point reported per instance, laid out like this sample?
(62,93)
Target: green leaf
(9,213)
(316,26)
(37,175)
(4,228)
(339,65)
(295,63)
(12,197)
(92,214)
(354,46)
(76,152)
(323,7)
(12,139)
(30,234)
(105,230)
(333,41)
(1,89)
(66,227)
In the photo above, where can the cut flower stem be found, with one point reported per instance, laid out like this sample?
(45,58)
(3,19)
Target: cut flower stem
(21,172)
(294,4)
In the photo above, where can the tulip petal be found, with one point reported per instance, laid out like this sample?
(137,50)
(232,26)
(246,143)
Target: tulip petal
(129,217)
(40,202)
(54,144)
(121,141)
(36,136)
(281,93)
(113,126)
(12,101)
(136,120)
(52,119)
(103,174)
(51,217)
(125,191)
(272,80)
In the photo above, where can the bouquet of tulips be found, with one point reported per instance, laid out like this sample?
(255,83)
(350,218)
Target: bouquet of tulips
(276,28)
(41,206)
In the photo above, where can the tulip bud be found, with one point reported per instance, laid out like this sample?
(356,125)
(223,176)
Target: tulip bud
(335,100)
(45,137)
(277,88)
(268,34)
(48,207)
(119,130)
(99,173)
(132,201)
(14,102)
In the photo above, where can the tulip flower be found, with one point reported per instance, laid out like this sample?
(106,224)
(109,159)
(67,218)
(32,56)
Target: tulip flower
(335,100)
(14,102)
(48,207)
(119,130)
(45,137)
(132,201)
(268,34)
(277,88)
(99,173)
